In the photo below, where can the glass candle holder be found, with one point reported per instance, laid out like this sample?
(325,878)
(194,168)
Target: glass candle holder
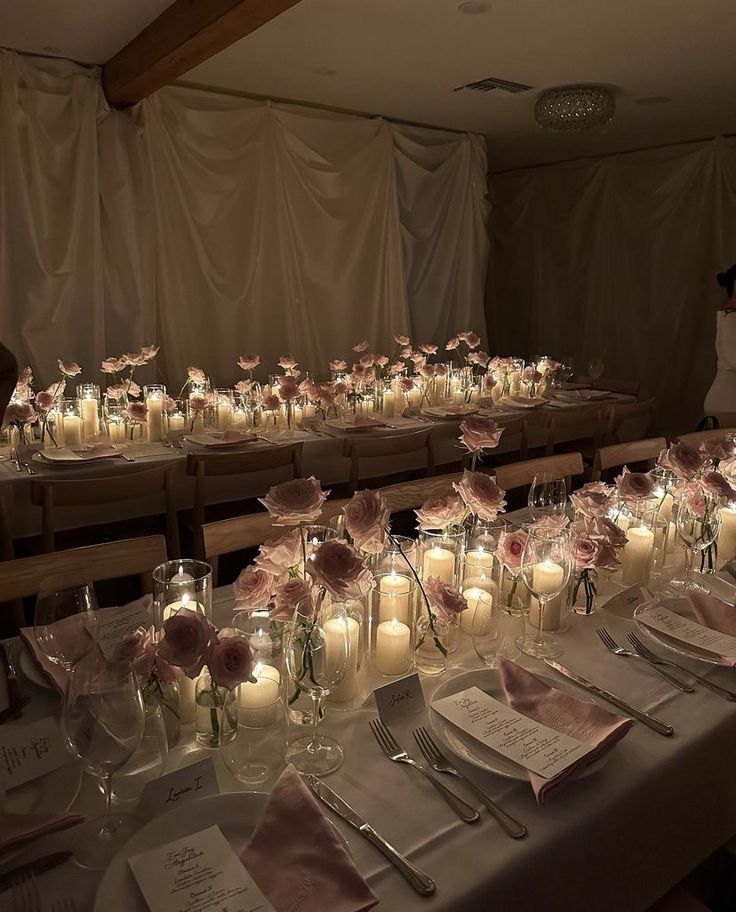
(727,535)
(397,550)
(116,424)
(440,554)
(72,422)
(315,535)
(242,414)
(89,410)
(637,558)
(52,428)
(266,640)
(348,694)
(178,584)
(257,751)
(224,408)
(155,397)
(216,712)
(431,644)
(176,420)
(392,619)
(476,579)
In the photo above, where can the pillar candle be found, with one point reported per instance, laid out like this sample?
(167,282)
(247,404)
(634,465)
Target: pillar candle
(155,423)
(116,432)
(497,391)
(347,689)
(176,422)
(258,703)
(72,430)
(637,556)
(392,647)
(547,577)
(458,397)
(239,419)
(389,402)
(415,397)
(473,596)
(393,600)
(479,557)
(727,535)
(439,562)
(89,409)
(224,415)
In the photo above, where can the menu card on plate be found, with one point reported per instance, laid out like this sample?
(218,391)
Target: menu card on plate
(674,625)
(109,626)
(199,873)
(30,751)
(532,745)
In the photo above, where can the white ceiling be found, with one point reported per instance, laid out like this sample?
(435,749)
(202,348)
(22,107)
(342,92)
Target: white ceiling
(402,59)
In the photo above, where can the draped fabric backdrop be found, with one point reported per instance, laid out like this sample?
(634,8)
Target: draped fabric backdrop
(217,225)
(618,256)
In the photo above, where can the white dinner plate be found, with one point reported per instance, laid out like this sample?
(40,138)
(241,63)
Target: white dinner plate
(470,749)
(450,412)
(236,813)
(31,670)
(343,424)
(679,604)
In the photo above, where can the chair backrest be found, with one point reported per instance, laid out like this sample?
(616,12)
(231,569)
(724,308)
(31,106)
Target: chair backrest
(128,484)
(357,448)
(410,495)
(629,387)
(621,454)
(78,566)
(697,437)
(518,474)
(617,414)
(561,425)
(513,427)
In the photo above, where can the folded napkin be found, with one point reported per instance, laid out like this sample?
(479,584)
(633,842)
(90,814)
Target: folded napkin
(366,421)
(297,859)
(66,455)
(593,394)
(523,401)
(227,438)
(715,614)
(579,719)
(18,828)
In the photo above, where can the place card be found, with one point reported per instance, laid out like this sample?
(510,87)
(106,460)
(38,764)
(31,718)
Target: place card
(624,603)
(660,618)
(30,751)
(399,698)
(199,873)
(532,745)
(194,781)
(109,626)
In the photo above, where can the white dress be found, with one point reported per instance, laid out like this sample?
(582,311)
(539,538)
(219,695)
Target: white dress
(722,393)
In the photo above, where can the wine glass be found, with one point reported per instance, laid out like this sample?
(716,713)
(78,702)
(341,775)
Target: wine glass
(546,567)
(698,524)
(102,721)
(567,368)
(595,367)
(317,650)
(63,620)
(547,497)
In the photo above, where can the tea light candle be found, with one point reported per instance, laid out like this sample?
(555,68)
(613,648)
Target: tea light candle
(258,703)
(89,409)
(72,430)
(727,535)
(439,562)
(393,600)
(334,629)
(155,423)
(392,647)
(637,556)
(479,558)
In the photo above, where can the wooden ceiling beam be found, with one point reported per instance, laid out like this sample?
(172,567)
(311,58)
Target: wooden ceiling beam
(186,34)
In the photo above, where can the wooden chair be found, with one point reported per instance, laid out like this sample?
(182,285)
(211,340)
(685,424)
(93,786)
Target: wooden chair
(572,427)
(621,454)
(619,414)
(78,566)
(519,474)
(133,483)
(697,437)
(204,465)
(629,387)
(357,448)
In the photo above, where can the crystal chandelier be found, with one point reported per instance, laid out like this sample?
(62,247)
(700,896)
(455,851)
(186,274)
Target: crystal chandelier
(575,107)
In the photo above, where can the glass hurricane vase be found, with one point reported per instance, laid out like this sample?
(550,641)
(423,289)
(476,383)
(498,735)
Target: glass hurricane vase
(216,712)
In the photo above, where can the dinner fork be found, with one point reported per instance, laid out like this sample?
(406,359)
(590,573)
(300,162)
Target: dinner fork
(439,762)
(395,752)
(23,465)
(25,893)
(612,646)
(658,660)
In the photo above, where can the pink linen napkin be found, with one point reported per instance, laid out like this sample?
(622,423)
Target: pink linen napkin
(715,614)
(229,438)
(523,401)
(18,828)
(297,859)
(579,719)
(365,421)
(99,451)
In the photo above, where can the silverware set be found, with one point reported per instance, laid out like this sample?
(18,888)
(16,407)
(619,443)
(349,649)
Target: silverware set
(20,464)
(612,646)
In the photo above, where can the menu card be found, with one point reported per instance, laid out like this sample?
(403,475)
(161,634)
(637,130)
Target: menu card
(199,873)
(29,751)
(111,625)
(674,625)
(532,745)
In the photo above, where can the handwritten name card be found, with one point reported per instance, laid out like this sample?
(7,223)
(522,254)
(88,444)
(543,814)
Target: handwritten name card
(399,698)
(532,745)
(674,625)
(194,781)
(30,751)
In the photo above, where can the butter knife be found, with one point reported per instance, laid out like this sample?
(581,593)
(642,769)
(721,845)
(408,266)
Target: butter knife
(661,728)
(420,881)
(32,868)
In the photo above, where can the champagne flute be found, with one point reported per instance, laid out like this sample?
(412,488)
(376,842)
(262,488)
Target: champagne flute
(698,525)
(63,621)
(547,497)
(102,722)
(317,650)
(546,567)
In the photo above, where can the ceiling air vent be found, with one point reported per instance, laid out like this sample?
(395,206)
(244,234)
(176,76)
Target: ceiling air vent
(491,84)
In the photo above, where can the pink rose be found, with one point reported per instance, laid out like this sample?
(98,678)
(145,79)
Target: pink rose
(288,362)
(134,359)
(112,365)
(405,352)
(440,369)
(294,502)
(137,411)
(196,374)
(186,641)
(288,597)
(271,403)
(717,486)
(478,357)
(25,376)
(452,343)
(402,340)
(19,413)
(426,371)
(326,398)
(44,400)
(338,568)
(249,362)
(472,340)
(406,384)
(338,365)
(441,512)
(682,459)
(230,661)
(510,548)
(199,402)
(396,368)
(279,555)
(444,598)
(717,448)
(361,346)
(381,360)
(418,358)
(115,391)
(528,372)
(478,433)
(592,499)
(340,388)
(366,518)
(427,348)
(634,486)
(69,368)
(692,496)
(586,551)
(481,494)
(367,360)
(148,352)
(132,388)
(288,388)
(603,528)
(243,387)
(253,587)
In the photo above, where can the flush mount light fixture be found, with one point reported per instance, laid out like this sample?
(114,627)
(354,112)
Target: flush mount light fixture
(575,107)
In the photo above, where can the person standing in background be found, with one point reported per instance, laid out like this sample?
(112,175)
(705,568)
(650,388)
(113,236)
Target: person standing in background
(721,399)
(8,377)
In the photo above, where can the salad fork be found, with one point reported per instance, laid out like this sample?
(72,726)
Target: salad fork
(395,752)
(440,764)
(612,646)
(658,660)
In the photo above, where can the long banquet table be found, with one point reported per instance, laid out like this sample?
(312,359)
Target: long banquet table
(611,841)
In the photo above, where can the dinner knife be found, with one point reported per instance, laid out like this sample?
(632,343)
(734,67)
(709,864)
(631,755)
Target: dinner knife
(661,728)
(14,694)
(420,881)
(32,868)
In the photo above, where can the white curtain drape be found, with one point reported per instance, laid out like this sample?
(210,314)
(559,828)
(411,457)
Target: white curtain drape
(618,256)
(217,225)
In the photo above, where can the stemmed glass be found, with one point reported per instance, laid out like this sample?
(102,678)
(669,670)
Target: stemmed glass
(317,648)
(102,721)
(698,524)
(546,567)
(64,643)
(547,497)
(595,367)
(567,369)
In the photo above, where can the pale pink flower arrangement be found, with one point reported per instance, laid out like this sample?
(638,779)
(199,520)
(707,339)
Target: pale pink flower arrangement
(361,346)
(253,588)
(682,459)
(441,513)
(447,601)
(288,596)
(287,362)
(510,548)
(295,502)
(366,519)
(249,362)
(338,568)
(718,448)
(281,555)
(635,486)
(593,499)
(69,368)
(481,494)
(478,434)
(338,365)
